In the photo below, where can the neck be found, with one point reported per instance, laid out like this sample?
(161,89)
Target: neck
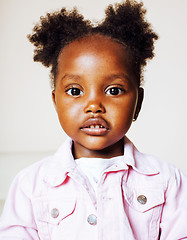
(114,150)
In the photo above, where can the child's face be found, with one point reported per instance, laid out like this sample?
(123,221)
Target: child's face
(96,96)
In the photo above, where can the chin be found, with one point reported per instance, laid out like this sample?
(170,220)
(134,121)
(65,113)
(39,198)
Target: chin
(96,146)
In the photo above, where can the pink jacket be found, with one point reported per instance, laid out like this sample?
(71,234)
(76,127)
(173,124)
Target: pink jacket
(140,198)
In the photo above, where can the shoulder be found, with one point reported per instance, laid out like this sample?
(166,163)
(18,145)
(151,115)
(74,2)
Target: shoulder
(167,176)
(34,179)
(151,166)
(153,162)
(31,178)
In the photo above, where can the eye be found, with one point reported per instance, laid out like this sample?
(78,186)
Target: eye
(114,91)
(74,91)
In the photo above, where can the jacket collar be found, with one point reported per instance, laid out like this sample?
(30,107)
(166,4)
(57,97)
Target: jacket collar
(138,161)
(57,167)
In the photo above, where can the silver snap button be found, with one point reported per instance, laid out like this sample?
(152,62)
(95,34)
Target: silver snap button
(54,213)
(92,219)
(142,199)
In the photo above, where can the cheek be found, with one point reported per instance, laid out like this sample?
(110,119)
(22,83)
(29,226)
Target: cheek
(67,113)
(123,111)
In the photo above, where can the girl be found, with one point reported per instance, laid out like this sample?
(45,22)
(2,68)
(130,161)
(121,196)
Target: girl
(97,185)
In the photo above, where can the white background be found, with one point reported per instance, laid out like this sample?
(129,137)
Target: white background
(29,128)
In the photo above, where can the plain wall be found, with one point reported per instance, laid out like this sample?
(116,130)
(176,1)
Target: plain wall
(29,127)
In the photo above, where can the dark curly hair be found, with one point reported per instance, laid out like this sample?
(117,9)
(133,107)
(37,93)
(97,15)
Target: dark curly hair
(124,23)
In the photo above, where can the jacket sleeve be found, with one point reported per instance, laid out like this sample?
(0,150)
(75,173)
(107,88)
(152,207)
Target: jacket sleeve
(174,216)
(17,220)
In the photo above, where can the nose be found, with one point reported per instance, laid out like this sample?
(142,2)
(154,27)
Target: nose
(94,107)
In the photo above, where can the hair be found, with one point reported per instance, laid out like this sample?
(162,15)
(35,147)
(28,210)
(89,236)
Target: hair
(124,23)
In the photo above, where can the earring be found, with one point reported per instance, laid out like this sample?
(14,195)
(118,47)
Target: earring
(135,117)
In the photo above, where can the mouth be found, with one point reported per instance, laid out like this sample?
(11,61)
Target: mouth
(95,127)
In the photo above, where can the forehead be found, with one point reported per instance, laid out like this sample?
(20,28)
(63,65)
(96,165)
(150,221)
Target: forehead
(95,44)
(95,55)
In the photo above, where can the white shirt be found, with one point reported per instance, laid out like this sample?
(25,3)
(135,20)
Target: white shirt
(94,167)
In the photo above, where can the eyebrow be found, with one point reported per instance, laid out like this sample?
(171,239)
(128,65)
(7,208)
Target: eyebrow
(122,76)
(109,77)
(71,77)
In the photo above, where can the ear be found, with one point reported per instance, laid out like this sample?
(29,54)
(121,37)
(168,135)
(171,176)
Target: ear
(139,103)
(54,98)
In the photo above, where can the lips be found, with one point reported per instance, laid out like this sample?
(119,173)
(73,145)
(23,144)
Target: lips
(95,127)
